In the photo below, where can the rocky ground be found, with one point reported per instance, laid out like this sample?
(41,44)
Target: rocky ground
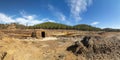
(105,46)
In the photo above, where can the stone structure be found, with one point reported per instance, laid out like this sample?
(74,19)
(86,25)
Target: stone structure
(11,26)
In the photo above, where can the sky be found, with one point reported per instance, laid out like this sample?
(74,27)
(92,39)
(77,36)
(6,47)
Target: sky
(98,13)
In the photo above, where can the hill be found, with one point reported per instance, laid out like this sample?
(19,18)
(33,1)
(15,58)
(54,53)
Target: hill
(86,27)
(52,25)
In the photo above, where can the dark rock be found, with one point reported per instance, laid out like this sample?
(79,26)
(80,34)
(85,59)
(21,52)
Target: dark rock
(92,46)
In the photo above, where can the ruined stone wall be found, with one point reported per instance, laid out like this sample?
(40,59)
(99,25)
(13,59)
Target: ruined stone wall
(24,33)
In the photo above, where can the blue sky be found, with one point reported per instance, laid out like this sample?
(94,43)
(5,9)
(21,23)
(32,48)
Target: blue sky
(99,13)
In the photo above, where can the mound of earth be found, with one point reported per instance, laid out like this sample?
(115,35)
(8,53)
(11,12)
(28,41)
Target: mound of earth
(97,48)
(104,47)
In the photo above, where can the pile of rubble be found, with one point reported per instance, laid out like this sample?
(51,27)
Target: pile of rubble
(97,48)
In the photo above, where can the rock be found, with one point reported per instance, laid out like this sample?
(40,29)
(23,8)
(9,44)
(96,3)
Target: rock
(12,26)
(2,55)
(96,46)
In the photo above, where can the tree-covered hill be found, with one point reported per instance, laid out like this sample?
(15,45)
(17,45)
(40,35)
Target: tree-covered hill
(86,27)
(111,29)
(52,25)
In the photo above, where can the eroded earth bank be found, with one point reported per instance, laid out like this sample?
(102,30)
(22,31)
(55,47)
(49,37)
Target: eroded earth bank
(105,46)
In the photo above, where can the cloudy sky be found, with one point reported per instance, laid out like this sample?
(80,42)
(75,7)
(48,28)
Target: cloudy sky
(99,13)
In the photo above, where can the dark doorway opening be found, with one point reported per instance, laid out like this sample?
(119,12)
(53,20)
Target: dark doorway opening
(43,34)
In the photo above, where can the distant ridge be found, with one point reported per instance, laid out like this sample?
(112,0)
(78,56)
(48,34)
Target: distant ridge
(86,27)
(53,25)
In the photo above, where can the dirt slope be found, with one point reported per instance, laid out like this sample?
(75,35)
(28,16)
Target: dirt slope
(105,47)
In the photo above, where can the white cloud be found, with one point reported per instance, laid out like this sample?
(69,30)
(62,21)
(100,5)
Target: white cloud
(27,16)
(77,7)
(61,16)
(24,19)
(95,23)
(5,19)
(57,13)
(48,20)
